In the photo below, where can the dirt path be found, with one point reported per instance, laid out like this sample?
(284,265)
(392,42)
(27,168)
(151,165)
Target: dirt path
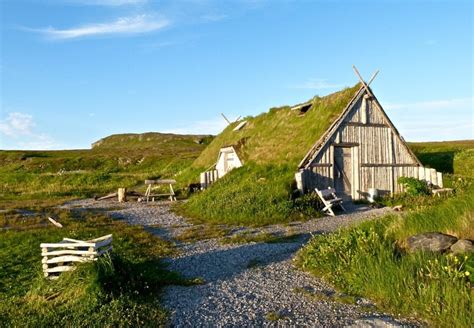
(252,284)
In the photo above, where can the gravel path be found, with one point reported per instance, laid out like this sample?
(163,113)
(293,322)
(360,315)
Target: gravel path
(252,284)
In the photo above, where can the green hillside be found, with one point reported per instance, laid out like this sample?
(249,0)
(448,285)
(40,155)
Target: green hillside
(447,156)
(122,160)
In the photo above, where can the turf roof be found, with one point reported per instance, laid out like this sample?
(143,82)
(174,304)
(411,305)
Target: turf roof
(280,136)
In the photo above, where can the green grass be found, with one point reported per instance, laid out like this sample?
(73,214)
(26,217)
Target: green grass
(448,156)
(371,261)
(121,290)
(250,195)
(119,161)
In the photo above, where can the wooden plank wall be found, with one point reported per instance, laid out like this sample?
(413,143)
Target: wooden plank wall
(379,155)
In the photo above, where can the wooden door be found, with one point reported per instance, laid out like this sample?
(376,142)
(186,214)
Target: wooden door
(343,170)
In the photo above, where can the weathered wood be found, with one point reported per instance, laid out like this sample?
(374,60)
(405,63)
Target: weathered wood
(65,258)
(160,181)
(122,195)
(60,269)
(67,252)
(240,126)
(112,195)
(367,124)
(225,118)
(388,165)
(54,222)
(67,245)
(440,179)
(434,177)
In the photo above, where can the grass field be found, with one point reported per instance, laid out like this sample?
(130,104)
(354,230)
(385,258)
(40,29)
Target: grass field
(118,291)
(30,177)
(371,260)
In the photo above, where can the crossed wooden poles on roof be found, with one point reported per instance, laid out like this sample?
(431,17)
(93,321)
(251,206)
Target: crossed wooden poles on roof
(364,84)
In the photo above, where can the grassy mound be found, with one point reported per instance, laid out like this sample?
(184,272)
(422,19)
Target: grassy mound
(121,290)
(250,195)
(115,161)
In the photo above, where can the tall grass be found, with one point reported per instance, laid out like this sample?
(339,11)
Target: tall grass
(370,260)
(250,195)
(118,291)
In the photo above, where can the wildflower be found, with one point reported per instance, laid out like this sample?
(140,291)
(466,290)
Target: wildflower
(467,273)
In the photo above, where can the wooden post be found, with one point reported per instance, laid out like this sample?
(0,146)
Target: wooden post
(440,179)
(122,195)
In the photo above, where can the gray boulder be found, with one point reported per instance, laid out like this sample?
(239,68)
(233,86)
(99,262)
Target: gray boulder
(462,246)
(431,241)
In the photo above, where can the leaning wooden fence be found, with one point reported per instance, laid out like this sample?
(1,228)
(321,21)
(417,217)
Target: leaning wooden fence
(62,256)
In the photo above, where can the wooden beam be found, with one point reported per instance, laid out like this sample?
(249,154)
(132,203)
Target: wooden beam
(321,165)
(346,144)
(370,125)
(388,165)
(225,118)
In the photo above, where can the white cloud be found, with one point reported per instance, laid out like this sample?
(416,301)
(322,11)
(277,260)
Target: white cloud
(318,84)
(122,26)
(17,132)
(17,124)
(433,104)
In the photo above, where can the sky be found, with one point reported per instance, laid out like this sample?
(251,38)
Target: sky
(74,71)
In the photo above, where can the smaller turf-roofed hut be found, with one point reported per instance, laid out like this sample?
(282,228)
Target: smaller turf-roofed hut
(227,160)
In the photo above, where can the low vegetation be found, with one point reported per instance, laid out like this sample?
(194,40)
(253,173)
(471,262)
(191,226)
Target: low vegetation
(117,291)
(29,177)
(371,260)
(251,195)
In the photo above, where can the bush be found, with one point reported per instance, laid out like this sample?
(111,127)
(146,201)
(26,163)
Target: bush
(414,187)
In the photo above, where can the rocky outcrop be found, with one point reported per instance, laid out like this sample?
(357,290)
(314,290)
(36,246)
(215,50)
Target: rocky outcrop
(431,241)
(462,246)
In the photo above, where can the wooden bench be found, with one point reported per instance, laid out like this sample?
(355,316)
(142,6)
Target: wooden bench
(329,199)
(441,191)
(60,257)
(150,183)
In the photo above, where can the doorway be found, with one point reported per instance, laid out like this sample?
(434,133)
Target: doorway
(343,171)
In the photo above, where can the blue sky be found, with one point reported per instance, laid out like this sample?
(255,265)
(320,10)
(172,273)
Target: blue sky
(73,71)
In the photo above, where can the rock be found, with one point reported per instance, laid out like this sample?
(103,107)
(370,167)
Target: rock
(431,241)
(462,246)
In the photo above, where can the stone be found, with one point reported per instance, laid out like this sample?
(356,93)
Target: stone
(462,246)
(431,241)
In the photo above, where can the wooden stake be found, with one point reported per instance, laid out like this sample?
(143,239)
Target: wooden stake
(225,118)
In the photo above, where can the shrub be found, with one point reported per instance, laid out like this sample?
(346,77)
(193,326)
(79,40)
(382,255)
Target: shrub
(414,187)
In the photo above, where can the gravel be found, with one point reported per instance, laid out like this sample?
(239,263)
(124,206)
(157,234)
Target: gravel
(252,284)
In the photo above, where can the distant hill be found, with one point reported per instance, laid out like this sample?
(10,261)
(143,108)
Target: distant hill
(121,160)
(150,140)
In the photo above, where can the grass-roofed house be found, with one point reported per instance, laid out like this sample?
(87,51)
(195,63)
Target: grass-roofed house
(344,140)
